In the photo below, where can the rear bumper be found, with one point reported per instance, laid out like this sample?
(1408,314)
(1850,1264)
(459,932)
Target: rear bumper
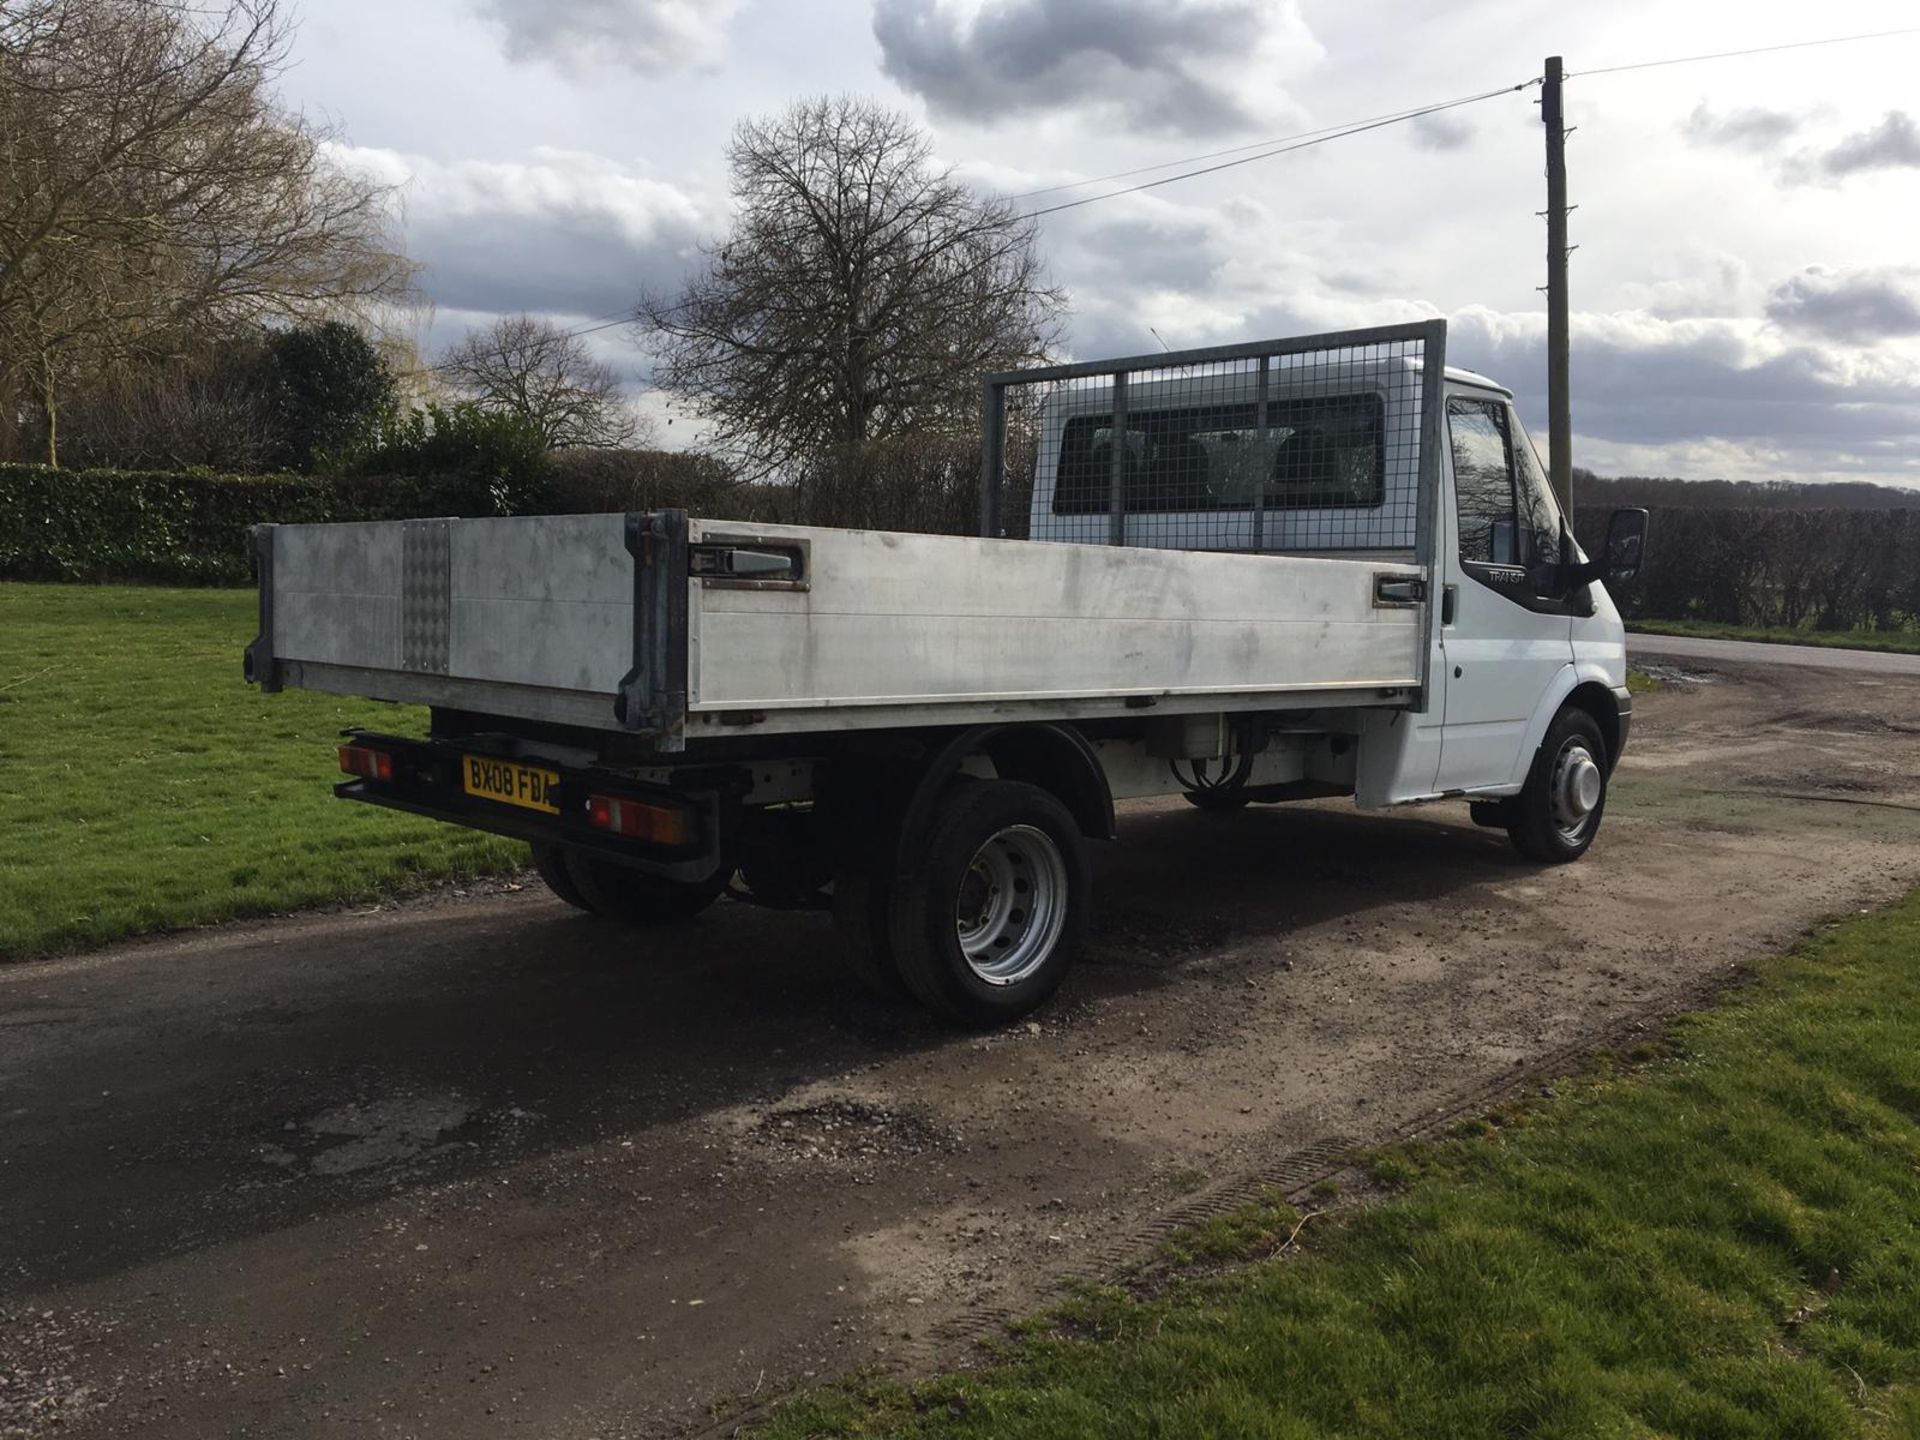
(427,781)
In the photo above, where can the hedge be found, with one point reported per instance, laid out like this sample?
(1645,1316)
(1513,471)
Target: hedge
(190,528)
(1825,569)
(1828,568)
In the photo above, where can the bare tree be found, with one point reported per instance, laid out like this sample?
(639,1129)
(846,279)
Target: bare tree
(212,408)
(535,369)
(858,300)
(153,193)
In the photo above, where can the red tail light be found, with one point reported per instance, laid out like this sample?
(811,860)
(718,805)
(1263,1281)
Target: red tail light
(367,763)
(658,824)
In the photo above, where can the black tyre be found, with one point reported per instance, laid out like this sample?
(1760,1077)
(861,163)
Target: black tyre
(618,892)
(1555,817)
(551,865)
(1220,800)
(987,928)
(862,898)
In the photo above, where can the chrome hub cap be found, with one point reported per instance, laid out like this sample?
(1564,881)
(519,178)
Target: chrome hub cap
(1012,905)
(1578,784)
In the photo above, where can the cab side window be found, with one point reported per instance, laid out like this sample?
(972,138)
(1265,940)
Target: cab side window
(1539,514)
(1506,511)
(1483,482)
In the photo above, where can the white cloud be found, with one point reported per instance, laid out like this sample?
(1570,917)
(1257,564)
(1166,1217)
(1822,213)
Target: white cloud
(654,37)
(1893,144)
(1441,132)
(557,232)
(1861,306)
(1755,127)
(1202,67)
(1706,377)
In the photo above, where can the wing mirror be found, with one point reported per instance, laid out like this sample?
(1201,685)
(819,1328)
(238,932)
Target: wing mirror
(1620,562)
(1626,544)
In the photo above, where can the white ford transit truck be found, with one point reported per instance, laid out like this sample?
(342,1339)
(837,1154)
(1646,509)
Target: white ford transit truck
(1258,573)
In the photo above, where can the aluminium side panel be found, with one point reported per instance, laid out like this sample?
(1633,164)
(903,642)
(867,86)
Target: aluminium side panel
(543,601)
(533,617)
(528,616)
(337,594)
(889,619)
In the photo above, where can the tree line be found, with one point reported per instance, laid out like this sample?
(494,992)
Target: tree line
(1823,569)
(1655,491)
(189,278)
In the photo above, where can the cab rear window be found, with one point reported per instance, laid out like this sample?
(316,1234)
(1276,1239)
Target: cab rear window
(1318,453)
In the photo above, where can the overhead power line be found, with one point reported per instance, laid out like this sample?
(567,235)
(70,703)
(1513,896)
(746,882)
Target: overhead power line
(1338,132)
(625,318)
(1328,130)
(1268,148)
(1736,54)
(602,322)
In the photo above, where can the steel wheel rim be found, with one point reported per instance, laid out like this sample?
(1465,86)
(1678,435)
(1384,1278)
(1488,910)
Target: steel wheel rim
(1012,904)
(1578,786)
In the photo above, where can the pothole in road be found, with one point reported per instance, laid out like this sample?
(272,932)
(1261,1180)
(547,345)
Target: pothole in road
(360,1135)
(849,1132)
(1677,676)
(1813,780)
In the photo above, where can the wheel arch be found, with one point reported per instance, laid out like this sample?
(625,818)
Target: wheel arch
(1056,758)
(1585,686)
(1597,699)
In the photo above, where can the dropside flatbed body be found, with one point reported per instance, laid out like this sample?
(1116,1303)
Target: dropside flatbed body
(602,622)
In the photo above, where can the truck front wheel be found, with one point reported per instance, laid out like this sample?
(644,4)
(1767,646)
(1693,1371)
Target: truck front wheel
(618,892)
(988,927)
(1555,817)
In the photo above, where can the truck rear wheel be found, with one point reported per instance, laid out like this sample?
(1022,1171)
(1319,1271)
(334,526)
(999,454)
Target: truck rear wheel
(1555,817)
(862,898)
(550,863)
(618,892)
(1219,799)
(987,929)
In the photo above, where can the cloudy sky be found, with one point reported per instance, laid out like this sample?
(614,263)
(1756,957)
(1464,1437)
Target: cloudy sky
(1746,291)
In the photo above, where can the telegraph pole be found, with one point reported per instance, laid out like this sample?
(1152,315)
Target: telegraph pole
(1559,392)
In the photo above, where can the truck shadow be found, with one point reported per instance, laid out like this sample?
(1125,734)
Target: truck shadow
(245,1087)
(1181,882)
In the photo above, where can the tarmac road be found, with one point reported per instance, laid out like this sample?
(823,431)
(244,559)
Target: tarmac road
(1751,652)
(480,1165)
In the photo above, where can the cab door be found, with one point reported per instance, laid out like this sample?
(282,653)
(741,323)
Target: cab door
(1504,637)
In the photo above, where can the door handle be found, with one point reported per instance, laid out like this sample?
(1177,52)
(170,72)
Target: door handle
(1448,595)
(1398,589)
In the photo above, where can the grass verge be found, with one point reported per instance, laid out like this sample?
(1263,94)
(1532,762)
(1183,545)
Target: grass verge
(145,787)
(1721,1239)
(1905,642)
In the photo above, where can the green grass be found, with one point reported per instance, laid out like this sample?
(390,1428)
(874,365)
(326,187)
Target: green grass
(1906,642)
(145,787)
(1721,1239)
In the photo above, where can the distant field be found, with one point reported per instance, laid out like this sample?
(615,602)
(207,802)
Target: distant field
(145,787)
(1906,642)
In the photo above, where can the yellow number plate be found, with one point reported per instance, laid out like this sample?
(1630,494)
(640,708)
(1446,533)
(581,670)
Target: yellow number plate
(527,786)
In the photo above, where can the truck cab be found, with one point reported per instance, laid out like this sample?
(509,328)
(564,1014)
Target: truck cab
(1522,625)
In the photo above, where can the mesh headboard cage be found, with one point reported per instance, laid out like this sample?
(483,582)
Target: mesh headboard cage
(1318,444)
